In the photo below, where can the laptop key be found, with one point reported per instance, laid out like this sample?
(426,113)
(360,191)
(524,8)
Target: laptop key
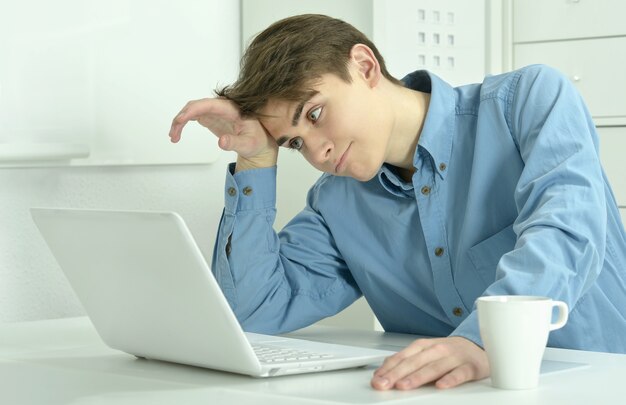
(268,354)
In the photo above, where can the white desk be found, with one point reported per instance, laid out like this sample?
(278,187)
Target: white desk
(65,362)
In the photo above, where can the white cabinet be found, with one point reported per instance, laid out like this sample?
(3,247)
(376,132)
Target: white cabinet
(446,37)
(595,66)
(586,40)
(550,20)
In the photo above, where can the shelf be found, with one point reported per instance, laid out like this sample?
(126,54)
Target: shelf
(41,152)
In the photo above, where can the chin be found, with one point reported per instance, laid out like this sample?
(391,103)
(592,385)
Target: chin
(364,175)
(360,172)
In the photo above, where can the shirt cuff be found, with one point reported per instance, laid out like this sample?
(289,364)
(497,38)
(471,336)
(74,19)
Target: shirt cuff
(248,190)
(469,329)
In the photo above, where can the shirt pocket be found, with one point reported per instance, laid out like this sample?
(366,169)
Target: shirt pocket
(486,254)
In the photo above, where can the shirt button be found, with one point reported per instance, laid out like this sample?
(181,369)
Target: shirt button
(247,190)
(425,190)
(232,191)
(457,311)
(442,167)
(439,252)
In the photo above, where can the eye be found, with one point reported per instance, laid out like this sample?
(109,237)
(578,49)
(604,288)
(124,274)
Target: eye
(315,113)
(296,143)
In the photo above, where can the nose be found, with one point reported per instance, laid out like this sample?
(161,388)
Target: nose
(321,152)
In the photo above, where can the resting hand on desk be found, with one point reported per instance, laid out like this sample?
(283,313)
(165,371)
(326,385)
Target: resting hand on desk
(447,361)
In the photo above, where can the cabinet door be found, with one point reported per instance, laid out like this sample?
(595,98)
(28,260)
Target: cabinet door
(596,66)
(548,20)
(613,155)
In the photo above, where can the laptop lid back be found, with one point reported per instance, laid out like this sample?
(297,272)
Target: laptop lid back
(146,286)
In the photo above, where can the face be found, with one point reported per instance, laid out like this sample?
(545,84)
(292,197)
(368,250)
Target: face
(343,130)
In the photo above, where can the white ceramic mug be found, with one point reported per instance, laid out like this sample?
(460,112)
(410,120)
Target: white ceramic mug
(514,330)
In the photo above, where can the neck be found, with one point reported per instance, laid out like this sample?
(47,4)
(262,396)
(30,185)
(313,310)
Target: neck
(409,108)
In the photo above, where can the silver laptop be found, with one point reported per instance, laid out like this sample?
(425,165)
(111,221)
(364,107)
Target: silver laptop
(149,292)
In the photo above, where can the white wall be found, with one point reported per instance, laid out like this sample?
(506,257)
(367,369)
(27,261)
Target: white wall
(31,284)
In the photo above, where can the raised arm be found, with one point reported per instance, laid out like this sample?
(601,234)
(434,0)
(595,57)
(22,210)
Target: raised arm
(274,282)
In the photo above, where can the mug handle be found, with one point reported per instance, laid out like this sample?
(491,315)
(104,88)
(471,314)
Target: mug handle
(563,315)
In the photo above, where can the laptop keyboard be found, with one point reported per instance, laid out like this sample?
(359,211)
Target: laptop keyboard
(273,354)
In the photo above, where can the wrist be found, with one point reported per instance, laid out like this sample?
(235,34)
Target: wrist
(258,162)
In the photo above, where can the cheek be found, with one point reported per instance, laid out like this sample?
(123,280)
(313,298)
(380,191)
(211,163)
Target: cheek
(312,163)
(315,164)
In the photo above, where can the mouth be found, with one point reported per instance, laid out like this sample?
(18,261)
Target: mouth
(342,160)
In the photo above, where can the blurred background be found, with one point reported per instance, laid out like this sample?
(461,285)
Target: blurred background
(88,90)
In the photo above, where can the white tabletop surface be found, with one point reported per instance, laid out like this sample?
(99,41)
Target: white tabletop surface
(65,362)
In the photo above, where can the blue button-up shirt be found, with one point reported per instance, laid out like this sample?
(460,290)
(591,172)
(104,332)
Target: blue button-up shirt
(508,197)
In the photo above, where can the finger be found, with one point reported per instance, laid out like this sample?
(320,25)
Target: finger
(245,146)
(211,106)
(414,363)
(397,366)
(380,379)
(224,142)
(424,367)
(178,123)
(195,109)
(457,376)
(392,361)
(428,373)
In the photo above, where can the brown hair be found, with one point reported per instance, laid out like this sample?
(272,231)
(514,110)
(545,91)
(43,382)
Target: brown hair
(285,60)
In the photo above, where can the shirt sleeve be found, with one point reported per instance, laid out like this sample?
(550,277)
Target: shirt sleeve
(276,282)
(562,215)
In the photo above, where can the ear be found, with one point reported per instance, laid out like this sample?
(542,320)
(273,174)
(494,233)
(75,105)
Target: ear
(366,64)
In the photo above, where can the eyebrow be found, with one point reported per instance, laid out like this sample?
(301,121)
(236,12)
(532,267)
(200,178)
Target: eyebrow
(282,140)
(296,116)
(294,121)
(298,113)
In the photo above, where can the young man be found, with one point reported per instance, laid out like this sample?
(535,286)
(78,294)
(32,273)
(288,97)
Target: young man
(432,197)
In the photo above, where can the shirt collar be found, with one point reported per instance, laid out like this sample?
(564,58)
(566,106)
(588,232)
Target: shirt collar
(436,135)
(391,181)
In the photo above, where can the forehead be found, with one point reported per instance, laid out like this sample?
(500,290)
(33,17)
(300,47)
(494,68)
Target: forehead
(277,117)
(280,117)
(277,109)
(281,108)
(284,112)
